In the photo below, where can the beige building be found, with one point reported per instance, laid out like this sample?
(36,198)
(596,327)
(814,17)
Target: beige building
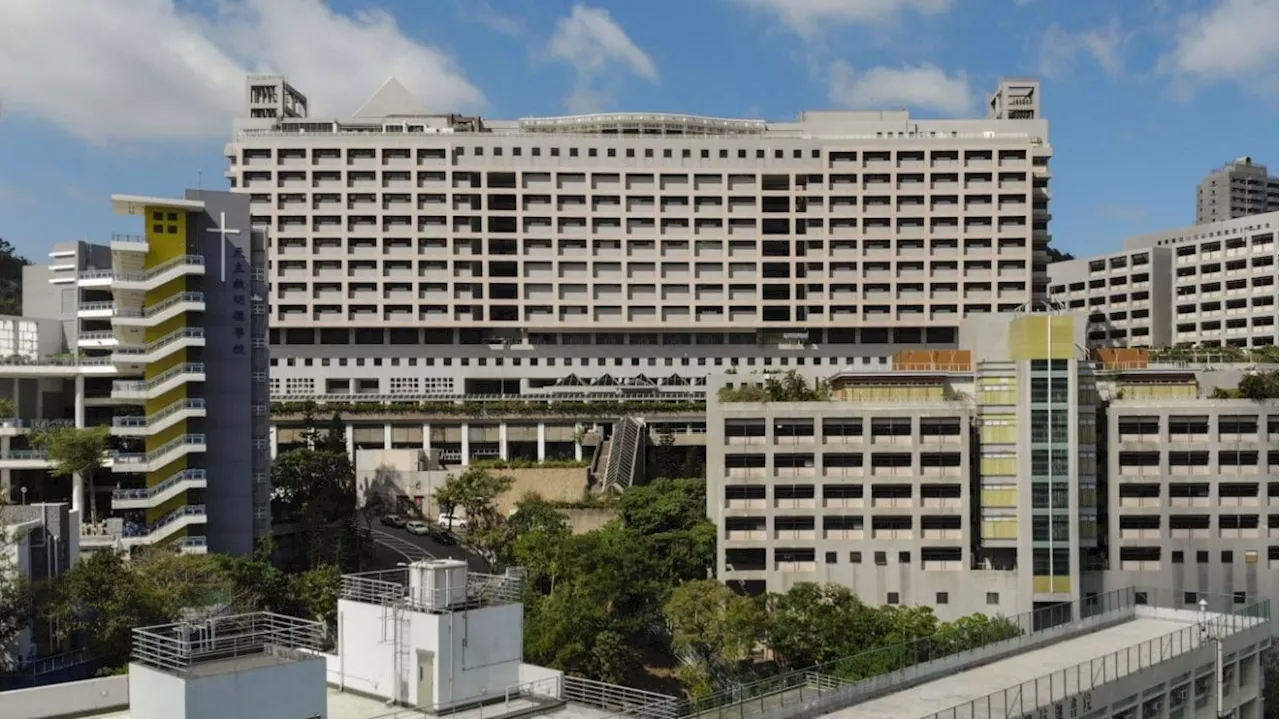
(418,254)
(981,480)
(1209,284)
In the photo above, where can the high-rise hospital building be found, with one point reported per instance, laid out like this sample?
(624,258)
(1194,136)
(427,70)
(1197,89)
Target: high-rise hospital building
(415,254)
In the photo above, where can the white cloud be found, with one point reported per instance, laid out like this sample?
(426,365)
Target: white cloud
(925,87)
(807,17)
(1059,49)
(593,44)
(158,72)
(1234,41)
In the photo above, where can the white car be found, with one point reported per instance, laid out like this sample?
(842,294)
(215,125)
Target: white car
(418,527)
(452,521)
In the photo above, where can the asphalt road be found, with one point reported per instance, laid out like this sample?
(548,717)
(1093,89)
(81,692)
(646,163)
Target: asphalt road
(396,546)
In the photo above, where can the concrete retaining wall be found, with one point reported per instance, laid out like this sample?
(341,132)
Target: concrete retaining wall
(69,699)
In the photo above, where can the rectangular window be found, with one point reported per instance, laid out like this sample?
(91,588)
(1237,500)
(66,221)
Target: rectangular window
(855,557)
(1227,557)
(831,557)
(892,598)
(1177,557)
(993,598)
(941,598)
(881,559)
(1202,557)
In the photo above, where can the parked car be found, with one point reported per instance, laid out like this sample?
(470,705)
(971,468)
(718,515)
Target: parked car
(443,536)
(452,521)
(393,520)
(418,527)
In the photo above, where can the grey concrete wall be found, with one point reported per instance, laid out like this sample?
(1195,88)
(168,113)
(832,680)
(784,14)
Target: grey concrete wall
(228,391)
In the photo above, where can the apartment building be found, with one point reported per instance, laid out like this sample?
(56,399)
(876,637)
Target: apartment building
(1209,284)
(417,255)
(994,478)
(1238,189)
(161,336)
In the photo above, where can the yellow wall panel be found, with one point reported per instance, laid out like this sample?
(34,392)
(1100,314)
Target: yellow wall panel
(166,435)
(1042,337)
(169,326)
(155,404)
(1001,528)
(998,466)
(999,496)
(166,231)
(155,513)
(165,291)
(167,471)
(166,363)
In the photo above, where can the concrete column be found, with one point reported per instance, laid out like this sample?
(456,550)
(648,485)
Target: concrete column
(577,444)
(351,442)
(466,444)
(273,440)
(502,441)
(386,436)
(426,437)
(77,482)
(542,441)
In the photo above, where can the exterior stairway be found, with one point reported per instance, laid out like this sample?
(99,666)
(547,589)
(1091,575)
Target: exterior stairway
(624,454)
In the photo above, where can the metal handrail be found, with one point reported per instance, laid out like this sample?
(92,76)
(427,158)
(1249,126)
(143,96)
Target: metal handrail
(178,647)
(121,237)
(149,492)
(143,422)
(187,510)
(1058,686)
(151,272)
(148,457)
(89,306)
(162,306)
(146,385)
(184,333)
(26,454)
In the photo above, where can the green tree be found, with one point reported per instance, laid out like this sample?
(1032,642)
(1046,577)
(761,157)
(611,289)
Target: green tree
(475,491)
(11,264)
(15,597)
(1260,386)
(317,489)
(1270,681)
(334,438)
(712,621)
(815,623)
(672,515)
(789,386)
(668,459)
(75,451)
(315,592)
(102,597)
(255,582)
(7,409)
(181,581)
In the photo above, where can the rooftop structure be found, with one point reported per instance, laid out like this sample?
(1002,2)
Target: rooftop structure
(430,639)
(1205,285)
(128,334)
(627,252)
(1238,189)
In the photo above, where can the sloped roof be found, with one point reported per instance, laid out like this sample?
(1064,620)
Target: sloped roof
(392,99)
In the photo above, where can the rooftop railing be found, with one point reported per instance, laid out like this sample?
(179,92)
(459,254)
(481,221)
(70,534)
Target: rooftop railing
(179,647)
(1068,684)
(391,587)
(841,683)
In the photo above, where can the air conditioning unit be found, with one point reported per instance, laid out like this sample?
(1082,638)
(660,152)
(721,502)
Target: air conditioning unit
(437,584)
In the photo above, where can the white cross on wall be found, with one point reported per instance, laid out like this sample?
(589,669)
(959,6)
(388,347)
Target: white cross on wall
(222,231)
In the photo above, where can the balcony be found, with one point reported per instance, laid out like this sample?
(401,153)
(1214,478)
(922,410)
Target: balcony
(25,459)
(154,277)
(165,417)
(114,532)
(171,379)
(152,461)
(170,488)
(153,351)
(157,313)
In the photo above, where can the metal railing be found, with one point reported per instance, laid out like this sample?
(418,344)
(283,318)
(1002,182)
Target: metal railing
(844,682)
(391,587)
(25,455)
(156,309)
(95,306)
(182,334)
(1047,690)
(178,647)
(121,237)
(143,422)
(624,449)
(149,273)
(137,530)
(149,492)
(620,700)
(185,440)
(147,385)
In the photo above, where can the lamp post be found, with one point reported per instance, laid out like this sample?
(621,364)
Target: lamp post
(24,494)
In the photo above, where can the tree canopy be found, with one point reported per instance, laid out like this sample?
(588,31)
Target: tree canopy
(11,264)
(789,386)
(73,450)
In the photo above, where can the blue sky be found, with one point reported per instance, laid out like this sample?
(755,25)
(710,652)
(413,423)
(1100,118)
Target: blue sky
(1143,96)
